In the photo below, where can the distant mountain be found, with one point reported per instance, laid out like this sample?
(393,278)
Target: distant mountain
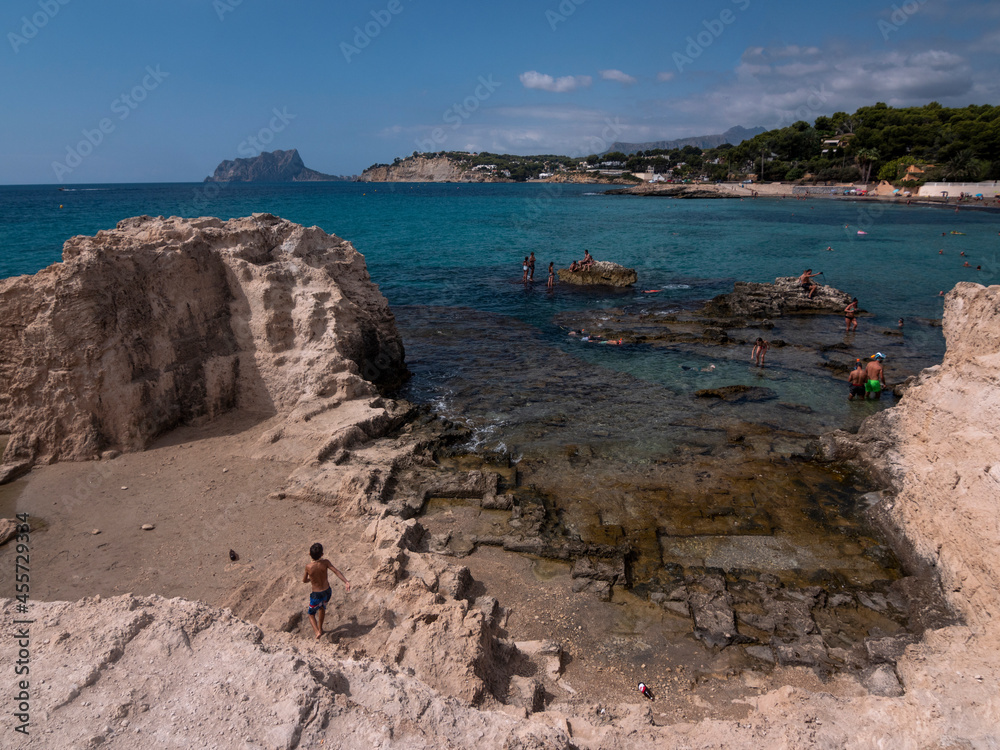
(270,166)
(735,136)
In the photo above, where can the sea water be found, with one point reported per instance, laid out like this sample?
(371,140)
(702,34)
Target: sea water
(613,439)
(487,348)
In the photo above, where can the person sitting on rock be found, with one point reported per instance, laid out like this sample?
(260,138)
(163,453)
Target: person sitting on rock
(807,283)
(588,260)
(574,266)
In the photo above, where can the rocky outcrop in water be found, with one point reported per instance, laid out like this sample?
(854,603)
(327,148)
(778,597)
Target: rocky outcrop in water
(270,166)
(602,273)
(784,297)
(661,190)
(159,322)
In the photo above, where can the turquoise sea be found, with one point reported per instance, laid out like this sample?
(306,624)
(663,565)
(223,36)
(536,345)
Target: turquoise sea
(481,344)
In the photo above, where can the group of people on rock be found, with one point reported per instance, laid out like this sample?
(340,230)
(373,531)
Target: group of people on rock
(528,267)
(581,265)
(867,379)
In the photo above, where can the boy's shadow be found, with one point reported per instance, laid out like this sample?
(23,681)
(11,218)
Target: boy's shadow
(352,629)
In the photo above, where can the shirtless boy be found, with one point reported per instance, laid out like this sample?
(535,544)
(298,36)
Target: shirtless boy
(807,283)
(856,382)
(875,376)
(321,589)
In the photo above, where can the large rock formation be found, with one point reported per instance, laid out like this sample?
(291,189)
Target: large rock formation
(270,166)
(784,297)
(602,273)
(162,321)
(938,454)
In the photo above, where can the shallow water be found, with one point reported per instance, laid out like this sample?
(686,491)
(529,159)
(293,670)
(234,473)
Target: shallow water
(611,440)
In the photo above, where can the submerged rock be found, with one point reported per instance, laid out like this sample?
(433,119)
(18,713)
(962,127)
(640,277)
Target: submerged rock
(603,272)
(738,393)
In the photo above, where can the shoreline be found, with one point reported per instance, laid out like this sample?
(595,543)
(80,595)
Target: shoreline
(531,640)
(780,191)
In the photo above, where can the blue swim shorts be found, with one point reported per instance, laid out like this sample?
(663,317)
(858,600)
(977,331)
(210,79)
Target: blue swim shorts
(318,600)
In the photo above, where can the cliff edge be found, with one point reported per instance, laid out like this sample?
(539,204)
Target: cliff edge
(159,322)
(938,455)
(423,168)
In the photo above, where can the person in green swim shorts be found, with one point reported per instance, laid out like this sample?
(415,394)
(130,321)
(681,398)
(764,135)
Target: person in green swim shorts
(875,376)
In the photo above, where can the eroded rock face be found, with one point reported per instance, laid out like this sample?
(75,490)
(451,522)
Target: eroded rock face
(603,272)
(784,297)
(161,321)
(423,168)
(147,671)
(938,452)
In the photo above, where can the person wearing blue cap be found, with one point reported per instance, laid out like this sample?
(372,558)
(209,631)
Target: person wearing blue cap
(875,374)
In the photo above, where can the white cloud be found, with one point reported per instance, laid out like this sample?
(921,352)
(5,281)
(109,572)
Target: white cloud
(532,79)
(617,75)
(667,75)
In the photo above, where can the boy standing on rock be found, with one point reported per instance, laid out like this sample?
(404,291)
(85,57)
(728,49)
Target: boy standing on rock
(321,589)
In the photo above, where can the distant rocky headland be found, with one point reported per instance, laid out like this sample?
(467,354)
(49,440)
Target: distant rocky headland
(271,166)
(430,168)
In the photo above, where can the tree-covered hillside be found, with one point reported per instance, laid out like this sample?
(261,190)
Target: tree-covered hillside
(920,144)
(880,142)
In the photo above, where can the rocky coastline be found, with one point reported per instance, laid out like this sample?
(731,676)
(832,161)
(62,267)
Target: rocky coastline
(278,364)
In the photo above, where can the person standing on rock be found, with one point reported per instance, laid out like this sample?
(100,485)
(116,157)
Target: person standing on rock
(760,348)
(552,276)
(524,269)
(851,316)
(316,574)
(856,382)
(875,376)
(807,283)
(531,266)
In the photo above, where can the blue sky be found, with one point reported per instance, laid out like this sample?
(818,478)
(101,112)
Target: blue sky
(161,91)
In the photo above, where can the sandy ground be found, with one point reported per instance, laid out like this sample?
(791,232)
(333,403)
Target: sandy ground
(205,497)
